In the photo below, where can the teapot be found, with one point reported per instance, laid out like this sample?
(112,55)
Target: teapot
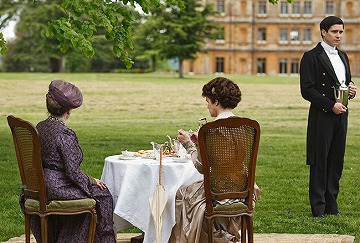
(341,94)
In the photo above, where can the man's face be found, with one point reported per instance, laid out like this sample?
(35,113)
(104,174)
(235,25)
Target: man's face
(333,36)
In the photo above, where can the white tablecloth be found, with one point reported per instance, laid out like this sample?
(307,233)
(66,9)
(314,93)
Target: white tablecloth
(133,182)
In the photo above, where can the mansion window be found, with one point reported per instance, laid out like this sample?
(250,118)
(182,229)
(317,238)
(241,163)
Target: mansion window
(262,7)
(284,9)
(294,66)
(307,8)
(283,38)
(329,7)
(283,66)
(294,36)
(307,35)
(220,35)
(261,35)
(295,8)
(220,6)
(261,65)
(219,62)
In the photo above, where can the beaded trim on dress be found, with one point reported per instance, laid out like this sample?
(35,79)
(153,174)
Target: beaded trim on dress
(54,118)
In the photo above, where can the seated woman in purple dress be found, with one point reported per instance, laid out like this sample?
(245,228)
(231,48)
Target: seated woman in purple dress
(61,158)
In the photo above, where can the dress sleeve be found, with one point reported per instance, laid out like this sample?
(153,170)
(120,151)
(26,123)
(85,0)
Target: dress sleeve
(72,156)
(192,149)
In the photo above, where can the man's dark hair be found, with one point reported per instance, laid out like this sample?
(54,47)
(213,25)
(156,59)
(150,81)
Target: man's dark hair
(330,21)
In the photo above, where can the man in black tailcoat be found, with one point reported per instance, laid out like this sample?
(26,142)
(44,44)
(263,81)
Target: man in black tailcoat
(323,69)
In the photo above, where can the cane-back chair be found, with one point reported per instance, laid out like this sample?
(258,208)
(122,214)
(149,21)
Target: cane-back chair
(228,150)
(27,147)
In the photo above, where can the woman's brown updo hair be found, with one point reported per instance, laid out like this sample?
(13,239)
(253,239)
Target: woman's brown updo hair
(53,106)
(225,91)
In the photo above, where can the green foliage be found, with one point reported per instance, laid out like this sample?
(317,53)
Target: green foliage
(33,51)
(183,31)
(85,17)
(145,38)
(178,32)
(3,47)
(62,30)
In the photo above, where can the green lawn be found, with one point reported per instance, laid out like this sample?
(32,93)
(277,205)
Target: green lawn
(128,111)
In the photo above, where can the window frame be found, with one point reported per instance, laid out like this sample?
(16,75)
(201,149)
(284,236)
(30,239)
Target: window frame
(295,6)
(219,65)
(283,66)
(307,10)
(294,65)
(284,8)
(261,35)
(262,9)
(283,36)
(307,36)
(261,66)
(329,8)
(220,7)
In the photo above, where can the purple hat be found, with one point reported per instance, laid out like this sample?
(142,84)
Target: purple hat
(66,94)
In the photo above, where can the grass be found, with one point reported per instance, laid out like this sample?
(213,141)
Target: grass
(128,111)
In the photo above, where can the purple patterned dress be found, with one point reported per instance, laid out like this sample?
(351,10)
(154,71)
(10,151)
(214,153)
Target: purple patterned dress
(61,157)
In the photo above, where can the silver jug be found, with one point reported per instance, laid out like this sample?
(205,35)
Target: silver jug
(178,148)
(341,94)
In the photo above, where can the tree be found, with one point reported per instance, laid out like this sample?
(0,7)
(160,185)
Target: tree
(83,19)
(32,50)
(145,39)
(182,31)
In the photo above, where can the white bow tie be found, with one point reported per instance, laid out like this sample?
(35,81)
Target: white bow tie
(333,52)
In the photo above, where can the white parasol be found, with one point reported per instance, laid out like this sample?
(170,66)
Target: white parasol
(158,202)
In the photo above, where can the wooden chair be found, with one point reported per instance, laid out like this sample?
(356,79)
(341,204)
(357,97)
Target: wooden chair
(228,150)
(27,147)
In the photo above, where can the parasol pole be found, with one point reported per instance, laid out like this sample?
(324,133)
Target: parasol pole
(160,167)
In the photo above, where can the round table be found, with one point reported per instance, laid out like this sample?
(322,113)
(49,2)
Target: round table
(133,180)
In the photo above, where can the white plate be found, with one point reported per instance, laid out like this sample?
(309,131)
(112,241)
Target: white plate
(128,157)
(180,160)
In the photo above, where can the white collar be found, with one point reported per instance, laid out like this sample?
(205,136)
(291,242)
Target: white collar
(224,114)
(329,49)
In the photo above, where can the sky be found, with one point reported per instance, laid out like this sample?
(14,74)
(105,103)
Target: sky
(8,31)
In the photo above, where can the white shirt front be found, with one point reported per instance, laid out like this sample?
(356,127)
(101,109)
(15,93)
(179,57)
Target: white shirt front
(336,61)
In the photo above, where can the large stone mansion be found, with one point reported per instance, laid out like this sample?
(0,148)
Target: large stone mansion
(264,39)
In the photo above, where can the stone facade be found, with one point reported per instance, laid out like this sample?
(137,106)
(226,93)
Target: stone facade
(265,39)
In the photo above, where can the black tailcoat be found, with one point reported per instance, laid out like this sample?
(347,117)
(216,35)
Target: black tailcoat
(326,131)
(317,82)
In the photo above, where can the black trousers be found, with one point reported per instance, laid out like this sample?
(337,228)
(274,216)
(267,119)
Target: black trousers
(326,172)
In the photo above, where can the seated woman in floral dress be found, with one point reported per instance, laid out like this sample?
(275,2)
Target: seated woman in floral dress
(222,96)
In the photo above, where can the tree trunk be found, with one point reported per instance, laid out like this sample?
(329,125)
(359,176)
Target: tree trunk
(181,74)
(153,63)
(57,64)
